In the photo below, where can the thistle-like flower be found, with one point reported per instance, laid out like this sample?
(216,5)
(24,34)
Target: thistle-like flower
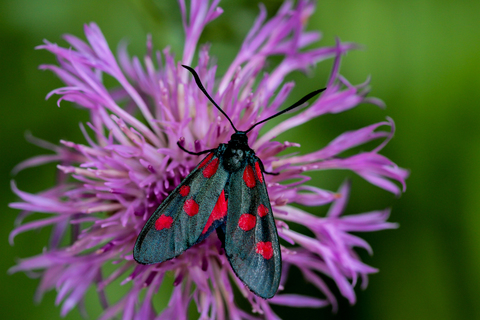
(132,162)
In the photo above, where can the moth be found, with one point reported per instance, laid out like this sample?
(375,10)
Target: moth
(225,192)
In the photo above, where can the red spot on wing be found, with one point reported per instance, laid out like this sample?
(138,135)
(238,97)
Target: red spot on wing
(204,162)
(258,171)
(211,168)
(262,210)
(247,222)
(184,190)
(163,222)
(190,207)
(248,176)
(265,249)
(218,212)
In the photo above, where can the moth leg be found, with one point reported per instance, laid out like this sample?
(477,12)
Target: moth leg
(221,235)
(194,153)
(272,173)
(266,172)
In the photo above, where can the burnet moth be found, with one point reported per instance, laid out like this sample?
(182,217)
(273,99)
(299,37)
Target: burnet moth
(226,192)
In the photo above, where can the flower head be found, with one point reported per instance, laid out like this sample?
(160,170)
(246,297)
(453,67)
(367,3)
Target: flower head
(131,163)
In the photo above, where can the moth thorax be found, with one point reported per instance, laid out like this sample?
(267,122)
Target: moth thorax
(233,159)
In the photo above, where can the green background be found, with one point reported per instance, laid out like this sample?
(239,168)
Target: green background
(423,57)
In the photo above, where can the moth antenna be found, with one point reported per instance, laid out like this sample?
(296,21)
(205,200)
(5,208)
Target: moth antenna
(201,87)
(296,104)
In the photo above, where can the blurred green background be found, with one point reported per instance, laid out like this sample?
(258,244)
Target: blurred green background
(424,60)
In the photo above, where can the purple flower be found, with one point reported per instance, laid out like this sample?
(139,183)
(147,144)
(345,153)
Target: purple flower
(109,187)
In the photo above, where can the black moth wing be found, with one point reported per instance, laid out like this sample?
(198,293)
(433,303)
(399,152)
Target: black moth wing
(251,240)
(170,230)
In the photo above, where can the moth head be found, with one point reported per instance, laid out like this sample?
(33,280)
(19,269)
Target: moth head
(239,138)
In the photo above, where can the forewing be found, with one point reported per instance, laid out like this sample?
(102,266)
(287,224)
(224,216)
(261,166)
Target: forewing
(251,240)
(179,221)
